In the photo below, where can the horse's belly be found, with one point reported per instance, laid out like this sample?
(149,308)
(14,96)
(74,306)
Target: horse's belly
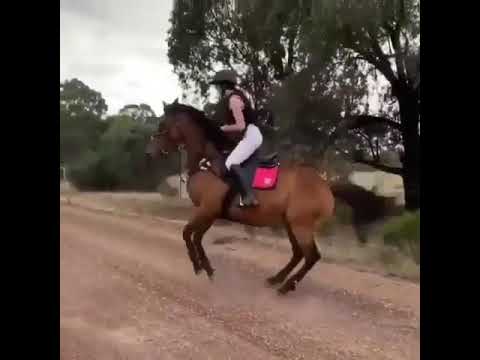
(271,209)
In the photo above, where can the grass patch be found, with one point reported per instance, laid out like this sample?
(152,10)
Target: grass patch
(403,233)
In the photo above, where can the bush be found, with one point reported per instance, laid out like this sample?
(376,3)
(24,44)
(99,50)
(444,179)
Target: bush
(83,173)
(403,233)
(117,161)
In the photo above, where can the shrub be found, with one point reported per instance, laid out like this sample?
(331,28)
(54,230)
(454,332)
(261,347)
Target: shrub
(82,174)
(118,160)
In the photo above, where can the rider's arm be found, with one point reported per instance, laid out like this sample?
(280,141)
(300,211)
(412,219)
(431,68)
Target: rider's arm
(236,105)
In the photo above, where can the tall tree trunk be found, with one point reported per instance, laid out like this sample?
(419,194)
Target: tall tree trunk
(409,112)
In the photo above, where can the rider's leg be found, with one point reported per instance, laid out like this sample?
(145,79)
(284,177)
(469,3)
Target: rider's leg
(251,141)
(246,147)
(246,191)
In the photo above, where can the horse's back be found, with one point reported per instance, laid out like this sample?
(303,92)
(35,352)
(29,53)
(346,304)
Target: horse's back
(310,194)
(300,191)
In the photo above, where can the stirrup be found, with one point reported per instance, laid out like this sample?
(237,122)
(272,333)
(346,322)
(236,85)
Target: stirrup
(242,204)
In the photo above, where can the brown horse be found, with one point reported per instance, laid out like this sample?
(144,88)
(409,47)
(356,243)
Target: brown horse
(300,200)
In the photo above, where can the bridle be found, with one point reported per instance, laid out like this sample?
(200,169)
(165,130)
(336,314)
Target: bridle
(155,136)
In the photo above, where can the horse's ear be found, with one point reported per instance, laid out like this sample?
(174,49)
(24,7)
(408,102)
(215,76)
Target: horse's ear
(164,104)
(176,101)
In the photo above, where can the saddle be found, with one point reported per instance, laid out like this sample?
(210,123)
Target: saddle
(261,171)
(269,160)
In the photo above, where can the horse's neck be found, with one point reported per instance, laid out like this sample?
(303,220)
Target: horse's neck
(211,151)
(195,153)
(198,147)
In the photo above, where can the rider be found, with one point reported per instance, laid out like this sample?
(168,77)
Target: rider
(239,124)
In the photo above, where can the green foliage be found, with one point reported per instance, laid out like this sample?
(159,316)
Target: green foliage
(83,172)
(275,46)
(313,62)
(81,109)
(253,41)
(78,135)
(141,113)
(404,234)
(107,153)
(118,152)
(77,98)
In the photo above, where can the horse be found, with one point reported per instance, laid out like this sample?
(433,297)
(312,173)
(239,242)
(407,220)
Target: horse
(300,201)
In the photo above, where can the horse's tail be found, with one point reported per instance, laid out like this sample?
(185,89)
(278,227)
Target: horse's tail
(367,207)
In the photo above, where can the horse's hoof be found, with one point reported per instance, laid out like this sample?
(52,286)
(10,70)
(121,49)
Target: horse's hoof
(211,274)
(271,282)
(282,291)
(197,271)
(286,288)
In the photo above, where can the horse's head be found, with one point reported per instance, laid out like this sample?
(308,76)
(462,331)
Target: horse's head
(169,134)
(183,124)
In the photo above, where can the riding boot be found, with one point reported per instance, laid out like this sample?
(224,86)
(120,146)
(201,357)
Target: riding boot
(247,197)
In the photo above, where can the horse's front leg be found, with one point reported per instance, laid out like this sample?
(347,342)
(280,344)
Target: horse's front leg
(192,252)
(201,229)
(198,226)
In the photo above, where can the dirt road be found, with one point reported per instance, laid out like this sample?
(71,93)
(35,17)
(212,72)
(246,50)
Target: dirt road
(128,291)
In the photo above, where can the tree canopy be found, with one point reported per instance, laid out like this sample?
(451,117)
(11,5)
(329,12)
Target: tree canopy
(337,73)
(77,98)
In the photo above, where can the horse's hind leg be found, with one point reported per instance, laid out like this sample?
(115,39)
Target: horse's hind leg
(304,234)
(296,258)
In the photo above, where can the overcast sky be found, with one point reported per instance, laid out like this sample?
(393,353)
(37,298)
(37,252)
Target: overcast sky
(118,47)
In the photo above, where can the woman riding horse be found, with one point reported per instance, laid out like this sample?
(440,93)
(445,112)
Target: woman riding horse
(300,201)
(238,122)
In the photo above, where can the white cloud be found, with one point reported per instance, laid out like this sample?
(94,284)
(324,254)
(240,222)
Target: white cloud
(119,48)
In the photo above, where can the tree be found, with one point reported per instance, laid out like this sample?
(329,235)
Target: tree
(107,153)
(78,135)
(117,161)
(81,109)
(76,98)
(141,113)
(206,34)
(316,61)
(384,37)
(120,153)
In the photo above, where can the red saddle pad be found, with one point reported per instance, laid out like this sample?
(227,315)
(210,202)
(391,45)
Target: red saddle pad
(265,178)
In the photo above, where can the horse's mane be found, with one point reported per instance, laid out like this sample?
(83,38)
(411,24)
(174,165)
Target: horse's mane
(212,131)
